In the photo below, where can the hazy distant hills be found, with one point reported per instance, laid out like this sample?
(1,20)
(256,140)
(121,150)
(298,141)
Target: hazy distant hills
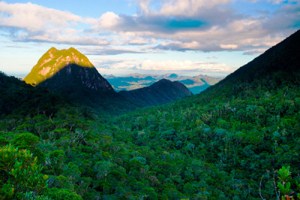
(196,84)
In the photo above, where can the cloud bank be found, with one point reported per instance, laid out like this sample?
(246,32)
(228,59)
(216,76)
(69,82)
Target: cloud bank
(177,25)
(157,26)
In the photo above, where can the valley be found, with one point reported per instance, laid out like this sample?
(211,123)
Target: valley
(68,134)
(196,84)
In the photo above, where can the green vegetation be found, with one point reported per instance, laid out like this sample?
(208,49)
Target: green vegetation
(237,140)
(199,148)
(20,173)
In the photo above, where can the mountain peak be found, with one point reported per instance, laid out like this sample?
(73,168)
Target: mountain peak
(52,49)
(163,81)
(53,61)
(173,75)
(161,92)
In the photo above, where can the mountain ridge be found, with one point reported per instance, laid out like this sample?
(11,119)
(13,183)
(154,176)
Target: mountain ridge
(196,84)
(73,75)
(161,92)
(281,57)
(53,61)
(276,66)
(70,74)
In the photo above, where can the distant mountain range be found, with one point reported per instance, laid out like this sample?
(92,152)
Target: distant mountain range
(70,73)
(196,84)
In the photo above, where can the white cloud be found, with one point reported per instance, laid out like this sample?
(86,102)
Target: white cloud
(144,6)
(126,66)
(228,46)
(214,25)
(173,65)
(109,20)
(188,7)
(31,22)
(177,25)
(34,18)
(178,7)
(220,31)
(172,25)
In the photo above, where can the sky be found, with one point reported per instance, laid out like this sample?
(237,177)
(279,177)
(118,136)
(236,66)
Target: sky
(120,37)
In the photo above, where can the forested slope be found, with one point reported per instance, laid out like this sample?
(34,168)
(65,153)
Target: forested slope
(238,140)
(21,99)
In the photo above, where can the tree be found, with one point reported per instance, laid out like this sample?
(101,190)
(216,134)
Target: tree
(285,184)
(20,173)
(62,194)
(55,161)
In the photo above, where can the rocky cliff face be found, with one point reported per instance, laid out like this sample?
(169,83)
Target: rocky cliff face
(53,61)
(67,70)
(75,77)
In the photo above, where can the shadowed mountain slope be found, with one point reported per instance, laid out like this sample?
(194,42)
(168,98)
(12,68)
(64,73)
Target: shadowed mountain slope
(18,97)
(278,66)
(161,92)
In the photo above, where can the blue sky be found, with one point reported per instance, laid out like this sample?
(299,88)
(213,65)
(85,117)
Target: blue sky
(188,37)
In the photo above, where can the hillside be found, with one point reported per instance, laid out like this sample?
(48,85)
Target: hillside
(81,85)
(240,132)
(237,140)
(71,75)
(234,140)
(21,99)
(277,67)
(161,92)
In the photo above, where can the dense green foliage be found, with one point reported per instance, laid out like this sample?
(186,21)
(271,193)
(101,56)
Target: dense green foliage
(18,98)
(200,148)
(20,173)
(237,140)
